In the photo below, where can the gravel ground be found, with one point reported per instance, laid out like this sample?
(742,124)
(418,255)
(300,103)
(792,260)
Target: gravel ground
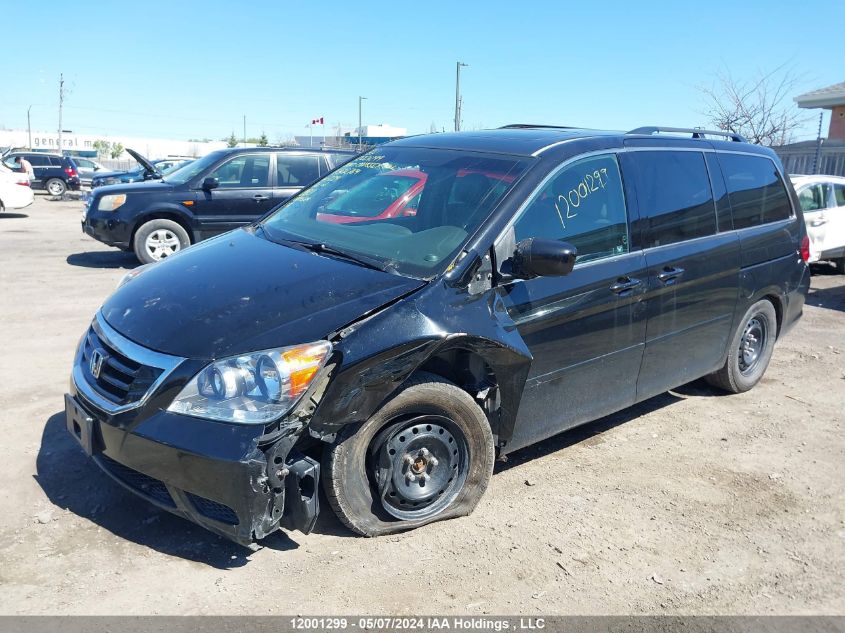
(692,502)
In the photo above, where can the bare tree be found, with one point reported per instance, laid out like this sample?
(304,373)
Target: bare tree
(760,109)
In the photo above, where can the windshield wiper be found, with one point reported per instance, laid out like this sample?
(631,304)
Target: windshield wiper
(319,247)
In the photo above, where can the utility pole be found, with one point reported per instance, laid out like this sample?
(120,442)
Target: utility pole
(818,145)
(458,96)
(61,103)
(360,101)
(244,130)
(29,127)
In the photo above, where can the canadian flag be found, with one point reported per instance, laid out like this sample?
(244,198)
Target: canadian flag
(317,121)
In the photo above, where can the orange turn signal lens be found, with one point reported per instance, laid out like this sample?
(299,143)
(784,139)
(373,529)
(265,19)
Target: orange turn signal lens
(303,363)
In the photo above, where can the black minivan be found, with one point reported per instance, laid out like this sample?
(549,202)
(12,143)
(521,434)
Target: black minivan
(221,191)
(433,304)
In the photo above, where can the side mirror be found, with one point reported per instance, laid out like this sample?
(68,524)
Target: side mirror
(210,183)
(534,257)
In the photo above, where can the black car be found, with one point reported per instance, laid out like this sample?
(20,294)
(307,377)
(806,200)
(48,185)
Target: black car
(216,193)
(547,277)
(146,170)
(54,172)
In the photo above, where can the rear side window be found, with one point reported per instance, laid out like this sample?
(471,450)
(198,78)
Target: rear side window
(340,159)
(584,205)
(812,198)
(38,161)
(673,190)
(756,190)
(296,171)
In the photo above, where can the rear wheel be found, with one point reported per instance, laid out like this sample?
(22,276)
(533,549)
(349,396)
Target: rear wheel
(56,187)
(425,456)
(158,239)
(750,351)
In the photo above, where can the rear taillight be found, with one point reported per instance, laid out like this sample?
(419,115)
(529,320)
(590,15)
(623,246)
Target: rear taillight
(805,248)
(24,183)
(70,171)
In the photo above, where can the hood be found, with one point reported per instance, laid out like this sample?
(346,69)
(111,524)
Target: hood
(142,186)
(143,162)
(241,293)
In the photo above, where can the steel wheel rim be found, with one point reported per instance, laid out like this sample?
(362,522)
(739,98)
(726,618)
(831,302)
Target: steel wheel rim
(162,243)
(752,343)
(418,466)
(56,188)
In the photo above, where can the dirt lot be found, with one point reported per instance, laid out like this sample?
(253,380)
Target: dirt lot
(692,502)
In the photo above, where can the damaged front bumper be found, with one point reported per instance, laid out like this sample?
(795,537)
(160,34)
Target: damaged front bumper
(213,474)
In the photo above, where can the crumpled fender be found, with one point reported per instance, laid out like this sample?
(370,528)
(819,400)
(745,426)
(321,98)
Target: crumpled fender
(410,332)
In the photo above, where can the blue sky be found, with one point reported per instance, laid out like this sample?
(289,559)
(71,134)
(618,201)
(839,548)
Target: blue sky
(192,69)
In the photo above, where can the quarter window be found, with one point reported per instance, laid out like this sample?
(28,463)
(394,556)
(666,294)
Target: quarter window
(296,171)
(756,190)
(673,190)
(839,195)
(584,205)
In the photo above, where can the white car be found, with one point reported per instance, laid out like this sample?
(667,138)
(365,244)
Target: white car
(15,192)
(822,200)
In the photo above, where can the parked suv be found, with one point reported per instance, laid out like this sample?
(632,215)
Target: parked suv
(219,192)
(53,172)
(822,200)
(547,277)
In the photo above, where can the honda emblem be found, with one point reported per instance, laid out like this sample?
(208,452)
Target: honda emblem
(97,359)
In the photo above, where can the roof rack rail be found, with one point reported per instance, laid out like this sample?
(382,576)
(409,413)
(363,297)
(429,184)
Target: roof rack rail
(696,132)
(518,126)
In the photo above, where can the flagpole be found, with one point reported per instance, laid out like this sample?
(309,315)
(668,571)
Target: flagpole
(310,135)
(324,130)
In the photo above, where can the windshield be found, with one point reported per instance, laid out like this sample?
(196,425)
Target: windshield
(411,209)
(189,170)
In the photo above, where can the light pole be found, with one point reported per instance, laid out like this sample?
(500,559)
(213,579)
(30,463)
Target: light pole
(458,96)
(360,101)
(29,127)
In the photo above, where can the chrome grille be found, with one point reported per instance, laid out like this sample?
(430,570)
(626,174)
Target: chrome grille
(114,373)
(120,379)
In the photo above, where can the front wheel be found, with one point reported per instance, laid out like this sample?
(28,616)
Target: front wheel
(750,351)
(425,456)
(158,239)
(56,187)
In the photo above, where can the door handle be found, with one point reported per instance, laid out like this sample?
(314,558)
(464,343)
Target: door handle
(624,284)
(668,274)
(819,222)
(259,197)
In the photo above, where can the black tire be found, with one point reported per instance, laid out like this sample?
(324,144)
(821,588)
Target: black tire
(438,409)
(744,368)
(55,187)
(840,265)
(175,235)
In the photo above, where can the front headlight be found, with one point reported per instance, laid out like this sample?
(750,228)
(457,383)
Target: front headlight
(111,202)
(252,388)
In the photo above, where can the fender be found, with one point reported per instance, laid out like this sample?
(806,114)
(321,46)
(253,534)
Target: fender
(422,327)
(165,210)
